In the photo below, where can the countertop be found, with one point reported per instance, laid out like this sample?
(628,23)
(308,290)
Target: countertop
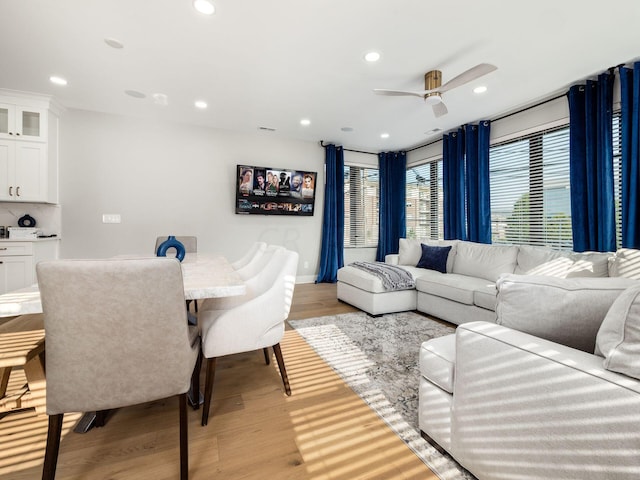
(45,239)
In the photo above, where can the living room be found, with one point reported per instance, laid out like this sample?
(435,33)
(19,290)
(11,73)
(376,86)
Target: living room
(171,169)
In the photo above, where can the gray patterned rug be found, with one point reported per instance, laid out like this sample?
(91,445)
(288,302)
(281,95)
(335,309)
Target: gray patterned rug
(378,359)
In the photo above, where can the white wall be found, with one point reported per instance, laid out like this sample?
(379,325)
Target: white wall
(167,178)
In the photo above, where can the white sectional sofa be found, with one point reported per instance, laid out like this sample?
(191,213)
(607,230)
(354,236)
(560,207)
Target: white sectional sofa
(512,400)
(467,291)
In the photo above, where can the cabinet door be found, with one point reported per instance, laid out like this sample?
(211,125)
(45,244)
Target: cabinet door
(30,123)
(15,273)
(30,172)
(7,120)
(7,173)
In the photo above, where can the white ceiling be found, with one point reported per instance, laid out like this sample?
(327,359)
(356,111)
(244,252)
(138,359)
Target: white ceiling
(270,64)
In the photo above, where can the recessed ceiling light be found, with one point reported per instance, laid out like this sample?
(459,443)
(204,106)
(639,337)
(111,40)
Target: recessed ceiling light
(57,80)
(347,129)
(384,135)
(372,57)
(305,122)
(135,93)
(201,104)
(204,6)
(480,89)
(112,42)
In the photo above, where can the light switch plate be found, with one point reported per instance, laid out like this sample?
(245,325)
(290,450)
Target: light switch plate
(111,218)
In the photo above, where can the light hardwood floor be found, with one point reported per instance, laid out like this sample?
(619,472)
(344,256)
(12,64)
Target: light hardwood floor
(323,431)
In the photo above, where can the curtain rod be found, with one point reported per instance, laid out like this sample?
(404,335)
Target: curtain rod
(349,150)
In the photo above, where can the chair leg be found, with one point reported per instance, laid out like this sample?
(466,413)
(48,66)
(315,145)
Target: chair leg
(283,371)
(267,360)
(208,389)
(195,382)
(53,446)
(184,440)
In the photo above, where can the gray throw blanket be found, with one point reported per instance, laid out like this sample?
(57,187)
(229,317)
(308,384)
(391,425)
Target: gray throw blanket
(392,277)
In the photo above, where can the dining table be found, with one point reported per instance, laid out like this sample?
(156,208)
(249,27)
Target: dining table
(204,276)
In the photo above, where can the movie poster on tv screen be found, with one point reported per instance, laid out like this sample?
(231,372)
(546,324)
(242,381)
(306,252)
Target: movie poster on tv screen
(275,191)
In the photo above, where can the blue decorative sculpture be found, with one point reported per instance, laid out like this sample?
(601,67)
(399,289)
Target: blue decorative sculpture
(171,242)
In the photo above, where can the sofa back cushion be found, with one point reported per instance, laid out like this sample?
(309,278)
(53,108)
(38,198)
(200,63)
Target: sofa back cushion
(589,264)
(618,339)
(484,261)
(568,311)
(410,251)
(543,261)
(625,263)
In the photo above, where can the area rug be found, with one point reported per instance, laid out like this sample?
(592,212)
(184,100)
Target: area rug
(378,359)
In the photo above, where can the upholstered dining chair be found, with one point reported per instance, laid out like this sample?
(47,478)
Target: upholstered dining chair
(253,251)
(116,335)
(190,246)
(257,323)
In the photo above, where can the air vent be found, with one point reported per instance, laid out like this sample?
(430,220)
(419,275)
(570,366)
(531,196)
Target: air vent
(267,129)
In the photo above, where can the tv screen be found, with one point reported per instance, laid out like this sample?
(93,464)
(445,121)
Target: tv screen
(275,191)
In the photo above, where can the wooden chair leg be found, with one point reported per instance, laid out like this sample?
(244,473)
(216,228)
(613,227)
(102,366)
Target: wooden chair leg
(184,439)
(208,389)
(267,360)
(53,447)
(283,371)
(195,382)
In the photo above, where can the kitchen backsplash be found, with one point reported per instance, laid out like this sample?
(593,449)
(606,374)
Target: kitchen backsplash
(47,216)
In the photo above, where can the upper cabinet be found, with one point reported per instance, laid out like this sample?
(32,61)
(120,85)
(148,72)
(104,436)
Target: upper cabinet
(23,122)
(28,148)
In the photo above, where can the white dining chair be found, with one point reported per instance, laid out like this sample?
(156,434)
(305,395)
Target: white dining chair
(255,249)
(257,323)
(116,335)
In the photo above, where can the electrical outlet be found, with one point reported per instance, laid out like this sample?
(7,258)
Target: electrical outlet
(111,218)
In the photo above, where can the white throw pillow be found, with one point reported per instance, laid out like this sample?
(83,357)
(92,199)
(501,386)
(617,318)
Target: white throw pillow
(589,264)
(625,263)
(618,339)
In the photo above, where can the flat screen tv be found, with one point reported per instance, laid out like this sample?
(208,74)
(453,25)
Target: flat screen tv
(275,191)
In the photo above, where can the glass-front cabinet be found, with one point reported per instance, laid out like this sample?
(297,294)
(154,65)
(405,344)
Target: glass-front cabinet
(22,122)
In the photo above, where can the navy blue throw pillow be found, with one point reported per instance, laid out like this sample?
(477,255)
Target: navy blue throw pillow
(434,258)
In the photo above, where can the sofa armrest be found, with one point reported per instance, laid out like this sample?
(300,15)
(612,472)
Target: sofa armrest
(516,395)
(391,258)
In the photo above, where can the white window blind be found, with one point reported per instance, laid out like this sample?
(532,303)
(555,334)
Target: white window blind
(530,194)
(617,174)
(424,204)
(361,187)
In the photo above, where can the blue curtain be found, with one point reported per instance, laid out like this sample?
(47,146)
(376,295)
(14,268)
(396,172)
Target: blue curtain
(630,126)
(454,186)
(478,195)
(591,165)
(332,249)
(393,180)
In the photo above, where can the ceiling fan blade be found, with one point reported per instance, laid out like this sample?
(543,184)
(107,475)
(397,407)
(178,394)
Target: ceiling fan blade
(439,109)
(468,76)
(382,91)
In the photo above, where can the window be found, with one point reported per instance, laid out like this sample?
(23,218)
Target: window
(530,194)
(360,206)
(424,204)
(617,175)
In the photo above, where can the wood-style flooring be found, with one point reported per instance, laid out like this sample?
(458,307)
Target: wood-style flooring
(323,431)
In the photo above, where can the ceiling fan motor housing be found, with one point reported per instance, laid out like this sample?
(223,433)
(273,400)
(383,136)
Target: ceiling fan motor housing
(432,80)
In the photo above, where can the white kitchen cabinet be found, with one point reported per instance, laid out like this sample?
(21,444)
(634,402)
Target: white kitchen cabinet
(18,260)
(28,148)
(23,171)
(23,122)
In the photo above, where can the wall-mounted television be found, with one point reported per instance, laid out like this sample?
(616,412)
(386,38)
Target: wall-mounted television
(275,191)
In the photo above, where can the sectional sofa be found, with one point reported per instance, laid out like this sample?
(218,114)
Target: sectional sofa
(467,290)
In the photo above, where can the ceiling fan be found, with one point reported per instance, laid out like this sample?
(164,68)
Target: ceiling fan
(433,88)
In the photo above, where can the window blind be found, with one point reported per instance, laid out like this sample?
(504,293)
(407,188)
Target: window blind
(424,201)
(530,192)
(617,174)
(361,194)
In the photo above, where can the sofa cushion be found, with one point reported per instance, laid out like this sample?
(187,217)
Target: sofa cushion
(410,250)
(625,263)
(434,258)
(361,279)
(589,264)
(567,311)
(485,296)
(542,261)
(438,361)
(484,261)
(618,339)
(459,288)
